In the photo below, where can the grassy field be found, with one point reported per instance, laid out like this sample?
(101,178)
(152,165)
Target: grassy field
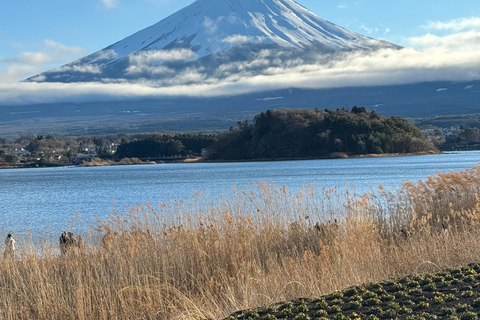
(197,259)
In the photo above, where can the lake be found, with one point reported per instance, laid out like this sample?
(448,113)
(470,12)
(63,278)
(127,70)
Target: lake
(46,200)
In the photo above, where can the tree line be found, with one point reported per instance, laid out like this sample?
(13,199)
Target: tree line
(165,146)
(303,133)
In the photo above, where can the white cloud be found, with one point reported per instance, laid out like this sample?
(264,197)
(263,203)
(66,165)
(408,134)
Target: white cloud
(342,6)
(151,61)
(109,4)
(211,26)
(383,67)
(238,39)
(83,68)
(459,42)
(30,63)
(366,28)
(454,25)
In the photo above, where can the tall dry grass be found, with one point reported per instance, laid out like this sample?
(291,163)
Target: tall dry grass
(178,261)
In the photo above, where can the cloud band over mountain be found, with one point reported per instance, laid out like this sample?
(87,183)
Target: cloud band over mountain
(382,67)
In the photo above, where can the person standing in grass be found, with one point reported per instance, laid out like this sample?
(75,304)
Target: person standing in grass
(9,247)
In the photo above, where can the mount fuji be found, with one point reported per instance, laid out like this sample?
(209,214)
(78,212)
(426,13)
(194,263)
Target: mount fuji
(208,36)
(234,50)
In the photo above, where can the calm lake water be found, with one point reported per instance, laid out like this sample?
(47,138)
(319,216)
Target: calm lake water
(46,200)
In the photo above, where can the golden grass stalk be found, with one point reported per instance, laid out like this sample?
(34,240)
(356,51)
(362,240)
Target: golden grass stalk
(199,259)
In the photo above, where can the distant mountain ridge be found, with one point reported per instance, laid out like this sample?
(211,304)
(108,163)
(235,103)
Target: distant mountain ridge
(210,33)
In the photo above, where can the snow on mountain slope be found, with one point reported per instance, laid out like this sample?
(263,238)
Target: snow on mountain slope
(209,27)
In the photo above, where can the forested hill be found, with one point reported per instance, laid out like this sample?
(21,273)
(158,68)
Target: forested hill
(305,133)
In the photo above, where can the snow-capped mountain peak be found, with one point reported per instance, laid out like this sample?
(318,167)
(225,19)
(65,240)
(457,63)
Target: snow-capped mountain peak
(210,27)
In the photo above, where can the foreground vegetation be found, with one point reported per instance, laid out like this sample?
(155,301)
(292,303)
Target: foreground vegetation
(450,294)
(201,259)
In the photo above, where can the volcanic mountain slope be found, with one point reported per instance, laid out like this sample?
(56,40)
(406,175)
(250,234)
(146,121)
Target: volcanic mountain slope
(216,38)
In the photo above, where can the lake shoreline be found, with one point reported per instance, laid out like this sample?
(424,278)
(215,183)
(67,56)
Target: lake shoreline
(97,162)
(335,156)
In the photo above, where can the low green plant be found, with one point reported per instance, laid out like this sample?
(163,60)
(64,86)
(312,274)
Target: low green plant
(449,311)
(462,307)
(469,315)
(334,309)
(321,304)
(301,316)
(321,313)
(404,310)
(369,295)
(388,297)
(354,305)
(430,287)
(372,302)
(423,305)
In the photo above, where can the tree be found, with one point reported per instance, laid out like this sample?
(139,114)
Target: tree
(12,158)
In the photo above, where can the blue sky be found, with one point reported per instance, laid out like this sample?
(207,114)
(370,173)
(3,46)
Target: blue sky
(36,36)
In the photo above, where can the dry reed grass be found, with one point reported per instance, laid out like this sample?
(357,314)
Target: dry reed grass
(262,245)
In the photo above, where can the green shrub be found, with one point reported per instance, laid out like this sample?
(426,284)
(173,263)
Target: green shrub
(463,307)
(251,313)
(423,305)
(469,315)
(334,309)
(425,281)
(476,303)
(372,302)
(408,303)
(356,298)
(438,300)
(287,312)
(466,288)
(400,294)
(354,305)
(415,291)
(390,314)
(369,295)
(451,297)
(287,305)
(396,287)
(350,292)
(404,310)
(302,316)
(300,308)
(375,286)
(387,297)
(467,294)
(429,316)
(415,317)
(320,313)
(321,304)
(377,311)
(447,311)
(336,302)
(340,316)
(430,287)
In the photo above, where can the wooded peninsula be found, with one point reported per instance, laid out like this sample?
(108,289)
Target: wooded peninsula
(302,133)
